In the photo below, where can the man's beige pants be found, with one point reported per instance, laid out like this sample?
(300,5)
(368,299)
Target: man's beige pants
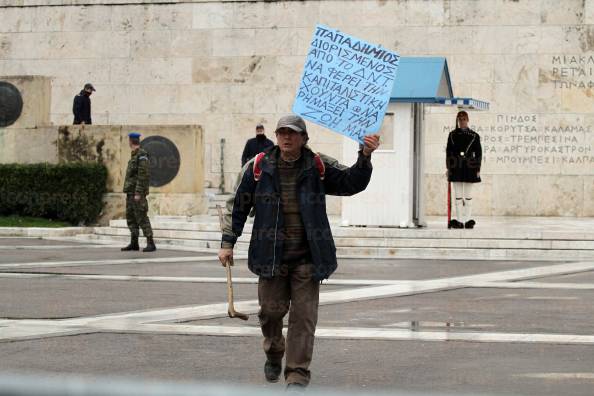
(292,291)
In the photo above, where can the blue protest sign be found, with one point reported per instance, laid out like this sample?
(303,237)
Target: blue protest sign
(346,83)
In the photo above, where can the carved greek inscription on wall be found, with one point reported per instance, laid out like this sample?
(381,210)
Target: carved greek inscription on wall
(529,141)
(570,71)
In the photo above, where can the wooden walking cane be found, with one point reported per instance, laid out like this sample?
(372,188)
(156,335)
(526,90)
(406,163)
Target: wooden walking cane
(231,310)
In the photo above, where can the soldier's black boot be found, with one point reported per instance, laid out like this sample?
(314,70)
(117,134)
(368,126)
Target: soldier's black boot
(456,224)
(470,224)
(132,246)
(150,245)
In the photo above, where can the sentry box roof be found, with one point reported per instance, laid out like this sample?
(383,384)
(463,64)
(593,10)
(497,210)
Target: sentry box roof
(427,80)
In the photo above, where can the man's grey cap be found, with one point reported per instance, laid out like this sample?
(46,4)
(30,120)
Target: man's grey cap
(293,122)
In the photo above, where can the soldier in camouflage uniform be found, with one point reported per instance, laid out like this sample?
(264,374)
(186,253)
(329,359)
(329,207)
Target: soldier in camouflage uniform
(136,188)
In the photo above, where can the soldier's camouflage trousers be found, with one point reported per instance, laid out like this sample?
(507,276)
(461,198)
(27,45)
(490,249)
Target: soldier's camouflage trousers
(137,216)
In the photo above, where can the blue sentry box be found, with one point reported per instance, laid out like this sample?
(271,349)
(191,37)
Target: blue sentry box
(346,83)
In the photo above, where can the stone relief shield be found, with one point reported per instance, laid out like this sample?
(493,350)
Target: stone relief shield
(164,159)
(11,104)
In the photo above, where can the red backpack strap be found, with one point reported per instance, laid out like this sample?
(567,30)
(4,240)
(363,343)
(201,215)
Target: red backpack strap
(257,166)
(320,165)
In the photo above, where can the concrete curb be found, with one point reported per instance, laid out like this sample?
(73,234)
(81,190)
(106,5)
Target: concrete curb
(40,232)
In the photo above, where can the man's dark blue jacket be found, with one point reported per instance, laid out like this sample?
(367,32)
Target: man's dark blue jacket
(266,247)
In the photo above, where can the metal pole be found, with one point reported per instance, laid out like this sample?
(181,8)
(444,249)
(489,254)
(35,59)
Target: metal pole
(222,163)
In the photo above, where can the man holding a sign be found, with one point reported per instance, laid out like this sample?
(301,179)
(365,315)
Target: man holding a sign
(291,248)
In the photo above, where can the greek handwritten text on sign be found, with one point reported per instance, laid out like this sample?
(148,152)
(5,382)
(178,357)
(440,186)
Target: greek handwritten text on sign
(346,83)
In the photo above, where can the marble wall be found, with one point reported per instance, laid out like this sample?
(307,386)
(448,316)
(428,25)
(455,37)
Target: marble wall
(108,144)
(227,65)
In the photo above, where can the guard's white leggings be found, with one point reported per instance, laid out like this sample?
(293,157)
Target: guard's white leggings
(463,194)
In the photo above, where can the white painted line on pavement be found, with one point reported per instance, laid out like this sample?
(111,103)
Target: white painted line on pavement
(54,247)
(360,333)
(19,237)
(187,279)
(183,314)
(28,332)
(134,320)
(160,245)
(558,376)
(528,273)
(534,285)
(551,298)
(127,278)
(177,314)
(43,264)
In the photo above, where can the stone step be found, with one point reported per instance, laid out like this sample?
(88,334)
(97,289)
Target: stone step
(375,242)
(44,232)
(212,211)
(178,225)
(174,243)
(377,252)
(219,200)
(502,238)
(173,234)
(216,195)
(210,192)
(406,233)
(468,254)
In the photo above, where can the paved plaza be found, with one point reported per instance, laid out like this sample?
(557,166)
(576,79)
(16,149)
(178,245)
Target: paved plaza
(492,327)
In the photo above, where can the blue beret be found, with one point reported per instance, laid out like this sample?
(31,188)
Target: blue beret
(134,135)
